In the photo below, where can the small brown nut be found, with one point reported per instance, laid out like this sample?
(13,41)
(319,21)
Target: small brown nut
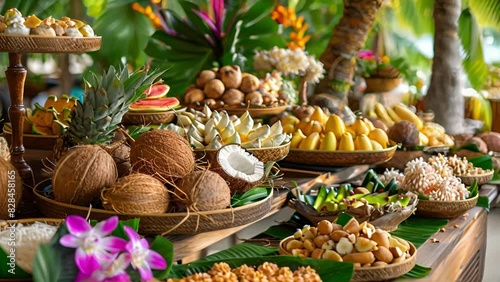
(205,76)
(400,259)
(293,244)
(331,255)
(456,226)
(214,89)
(403,242)
(352,238)
(317,253)
(325,227)
(336,226)
(434,240)
(383,254)
(193,95)
(361,190)
(352,226)
(314,230)
(320,240)
(303,253)
(362,258)
(308,235)
(396,252)
(442,229)
(366,265)
(364,244)
(380,263)
(233,97)
(357,265)
(329,245)
(344,246)
(249,83)
(309,245)
(254,98)
(337,234)
(381,238)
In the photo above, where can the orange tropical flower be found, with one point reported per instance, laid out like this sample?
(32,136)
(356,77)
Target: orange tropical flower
(288,18)
(148,12)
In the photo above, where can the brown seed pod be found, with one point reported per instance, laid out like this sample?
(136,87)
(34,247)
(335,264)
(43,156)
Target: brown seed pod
(233,97)
(193,95)
(249,83)
(230,76)
(136,193)
(81,174)
(214,89)
(205,76)
(254,98)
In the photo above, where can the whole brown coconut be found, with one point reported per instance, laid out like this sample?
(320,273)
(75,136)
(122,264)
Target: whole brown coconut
(205,76)
(163,154)
(202,190)
(214,89)
(404,132)
(230,76)
(492,140)
(81,174)
(249,83)
(136,193)
(121,156)
(11,189)
(233,97)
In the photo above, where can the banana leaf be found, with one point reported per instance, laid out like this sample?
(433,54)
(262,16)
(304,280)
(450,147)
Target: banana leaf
(330,271)
(251,196)
(418,230)
(418,271)
(484,162)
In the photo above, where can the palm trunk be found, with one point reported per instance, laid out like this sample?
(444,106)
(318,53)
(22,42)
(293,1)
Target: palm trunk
(348,37)
(444,96)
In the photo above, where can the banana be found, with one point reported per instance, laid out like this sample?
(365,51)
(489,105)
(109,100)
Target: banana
(346,143)
(311,142)
(383,115)
(476,106)
(328,142)
(404,113)
(392,114)
(486,115)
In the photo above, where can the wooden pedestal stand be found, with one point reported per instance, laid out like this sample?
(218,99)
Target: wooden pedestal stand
(16,45)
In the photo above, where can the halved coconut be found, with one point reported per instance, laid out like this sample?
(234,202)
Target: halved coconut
(240,168)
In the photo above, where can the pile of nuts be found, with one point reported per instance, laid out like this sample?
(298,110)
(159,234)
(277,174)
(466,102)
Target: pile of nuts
(459,166)
(362,244)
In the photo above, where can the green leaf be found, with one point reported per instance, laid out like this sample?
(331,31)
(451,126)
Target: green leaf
(240,251)
(9,271)
(483,202)
(42,9)
(45,259)
(166,249)
(251,196)
(487,11)
(484,162)
(418,230)
(94,7)
(418,271)
(280,231)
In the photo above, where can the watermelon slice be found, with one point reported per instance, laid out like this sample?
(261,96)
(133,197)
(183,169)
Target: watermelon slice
(155,105)
(157,91)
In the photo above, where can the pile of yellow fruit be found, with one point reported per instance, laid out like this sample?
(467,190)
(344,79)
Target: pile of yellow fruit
(325,132)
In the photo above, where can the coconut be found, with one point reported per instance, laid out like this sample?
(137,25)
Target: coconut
(11,189)
(202,190)
(240,168)
(163,154)
(136,193)
(81,173)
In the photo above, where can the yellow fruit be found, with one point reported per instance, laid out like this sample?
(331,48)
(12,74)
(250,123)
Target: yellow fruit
(360,127)
(430,132)
(433,141)
(362,143)
(369,124)
(380,136)
(319,115)
(297,137)
(308,127)
(336,125)
(329,142)
(288,128)
(423,140)
(351,131)
(404,113)
(311,142)
(346,142)
(32,21)
(383,115)
(392,114)
(376,146)
(289,119)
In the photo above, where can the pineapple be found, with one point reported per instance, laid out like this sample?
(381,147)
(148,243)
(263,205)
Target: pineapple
(106,100)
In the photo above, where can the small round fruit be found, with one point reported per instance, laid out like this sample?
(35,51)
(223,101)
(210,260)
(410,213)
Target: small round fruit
(214,89)
(325,227)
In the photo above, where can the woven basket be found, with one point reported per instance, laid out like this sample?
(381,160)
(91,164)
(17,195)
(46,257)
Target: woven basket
(481,178)
(48,44)
(256,112)
(373,273)
(339,158)
(378,85)
(162,223)
(131,118)
(265,155)
(32,141)
(445,209)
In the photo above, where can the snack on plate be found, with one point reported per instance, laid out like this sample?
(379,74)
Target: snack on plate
(265,272)
(13,22)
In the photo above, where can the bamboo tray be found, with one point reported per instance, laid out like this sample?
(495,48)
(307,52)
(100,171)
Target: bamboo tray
(339,158)
(374,273)
(445,209)
(268,154)
(33,141)
(481,178)
(161,223)
(48,44)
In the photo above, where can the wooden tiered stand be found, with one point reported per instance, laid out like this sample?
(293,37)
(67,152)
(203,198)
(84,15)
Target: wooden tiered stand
(16,45)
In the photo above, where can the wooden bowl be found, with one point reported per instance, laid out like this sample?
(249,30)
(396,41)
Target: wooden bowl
(136,118)
(480,178)
(48,44)
(33,141)
(373,273)
(378,85)
(445,209)
(268,154)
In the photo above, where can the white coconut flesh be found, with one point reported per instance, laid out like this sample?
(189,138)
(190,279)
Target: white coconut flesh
(240,164)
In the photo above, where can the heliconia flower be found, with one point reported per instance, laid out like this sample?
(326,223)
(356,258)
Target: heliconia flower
(215,24)
(141,257)
(111,271)
(92,245)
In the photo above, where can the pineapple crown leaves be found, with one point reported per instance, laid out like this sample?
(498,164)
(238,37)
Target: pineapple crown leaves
(106,100)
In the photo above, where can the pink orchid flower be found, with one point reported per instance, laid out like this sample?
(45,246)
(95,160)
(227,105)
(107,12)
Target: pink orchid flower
(111,271)
(92,245)
(366,54)
(141,257)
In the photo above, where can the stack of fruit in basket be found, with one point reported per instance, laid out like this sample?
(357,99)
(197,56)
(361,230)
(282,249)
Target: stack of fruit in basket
(351,241)
(405,127)
(13,22)
(51,119)
(230,87)
(321,131)
(209,129)
(155,100)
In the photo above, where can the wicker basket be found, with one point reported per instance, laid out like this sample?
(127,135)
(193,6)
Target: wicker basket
(48,44)
(162,223)
(270,154)
(373,273)
(32,141)
(339,158)
(481,178)
(131,118)
(379,85)
(445,209)
(256,112)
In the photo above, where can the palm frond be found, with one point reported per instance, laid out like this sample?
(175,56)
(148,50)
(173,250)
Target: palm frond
(414,15)
(487,11)
(471,37)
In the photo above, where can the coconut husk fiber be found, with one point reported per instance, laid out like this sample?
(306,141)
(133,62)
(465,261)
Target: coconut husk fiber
(11,189)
